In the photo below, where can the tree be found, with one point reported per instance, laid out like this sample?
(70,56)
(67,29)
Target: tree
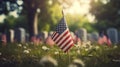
(106,11)
(30,8)
(7,6)
(35,9)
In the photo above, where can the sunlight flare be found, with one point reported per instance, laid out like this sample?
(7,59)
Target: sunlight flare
(79,7)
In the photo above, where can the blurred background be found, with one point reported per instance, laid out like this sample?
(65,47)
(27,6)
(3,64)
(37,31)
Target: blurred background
(43,15)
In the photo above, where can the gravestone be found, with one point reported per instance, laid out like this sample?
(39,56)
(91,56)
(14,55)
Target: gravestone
(45,34)
(10,36)
(27,37)
(113,35)
(50,33)
(119,36)
(72,34)
(89,37)
(20,35)
(94,36)
(82,34)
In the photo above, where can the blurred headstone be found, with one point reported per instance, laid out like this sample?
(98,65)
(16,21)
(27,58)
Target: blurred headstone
(89,37)
(43,35)
(50,33)
(20,35)
(27,37)
(82,34)
(10,36)
(113,35)
(94,36)
(72,34)
(119,36)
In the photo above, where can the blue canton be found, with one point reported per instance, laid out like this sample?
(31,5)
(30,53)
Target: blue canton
(62,26)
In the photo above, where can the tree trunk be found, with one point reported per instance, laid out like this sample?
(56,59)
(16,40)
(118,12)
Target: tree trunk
(32,22)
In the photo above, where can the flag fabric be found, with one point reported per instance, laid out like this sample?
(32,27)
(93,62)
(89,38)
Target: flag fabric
(104,40)
(62,36)
(109,42)
(4,39)
(100,40)
(49,41)
(35,40)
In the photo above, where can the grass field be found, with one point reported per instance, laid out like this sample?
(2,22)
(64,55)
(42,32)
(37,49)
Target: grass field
(30,55)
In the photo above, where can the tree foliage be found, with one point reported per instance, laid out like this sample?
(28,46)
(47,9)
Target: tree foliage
(107,12)
(6,6)
(42,15)
(79,21)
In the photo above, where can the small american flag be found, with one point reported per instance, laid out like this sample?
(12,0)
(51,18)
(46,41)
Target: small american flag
(104,39)
(62,36)
(49,41)
(4,39)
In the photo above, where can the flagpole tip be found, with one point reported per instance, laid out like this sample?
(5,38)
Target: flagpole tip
(62,12)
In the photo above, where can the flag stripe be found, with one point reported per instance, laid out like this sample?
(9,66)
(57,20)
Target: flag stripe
(62,38)
(55,37)
(68,46)
(64,41)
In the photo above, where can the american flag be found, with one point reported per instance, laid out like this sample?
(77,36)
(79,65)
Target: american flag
(4,39)
(107,40)
(100,40)
(49,41)
(104,39)
(62,36)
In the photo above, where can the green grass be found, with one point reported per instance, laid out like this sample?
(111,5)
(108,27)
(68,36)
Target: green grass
(23,55)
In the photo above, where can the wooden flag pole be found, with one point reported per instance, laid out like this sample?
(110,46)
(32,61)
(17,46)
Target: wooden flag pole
(67,51)
(63,12)
(68,57)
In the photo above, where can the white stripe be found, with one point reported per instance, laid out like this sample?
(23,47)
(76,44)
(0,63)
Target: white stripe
(61,35)
(64,49)
(55,36)
(65,42)
(64,37)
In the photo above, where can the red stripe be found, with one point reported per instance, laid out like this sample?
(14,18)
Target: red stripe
(68,48)
(62,36)
(64,40)
(56,37)
(66,44)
